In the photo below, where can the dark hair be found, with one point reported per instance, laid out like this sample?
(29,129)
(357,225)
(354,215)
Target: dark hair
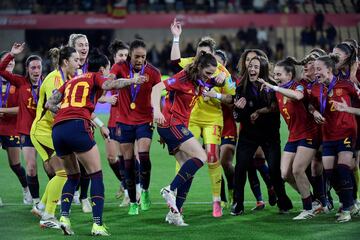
(137,44)
(32,58)
(117,45)
(222,55)
(312,56)
(2,54)
(350,51)
(58,55)
(353,43)
(202,61)
(241,68)
(288,65)
(264,72)
(330,61)
(97,60)
(207,42)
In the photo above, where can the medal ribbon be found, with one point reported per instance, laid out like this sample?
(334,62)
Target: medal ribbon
(288,84)
(322,97)
(34,93)
(62,75)
(135,89)
(3,100)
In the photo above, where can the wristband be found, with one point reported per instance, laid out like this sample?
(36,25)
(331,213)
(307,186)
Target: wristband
(218,96)
(276,88)
(98,122)
(176,39)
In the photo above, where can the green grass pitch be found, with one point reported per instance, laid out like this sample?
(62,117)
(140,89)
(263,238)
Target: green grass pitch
(16,222)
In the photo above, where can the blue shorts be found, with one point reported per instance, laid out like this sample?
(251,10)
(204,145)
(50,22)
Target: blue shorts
(174,136)
(129,133)
(25,141)
(332,148)
(228,140)
(112,133)
(9,141)
(308,143)
(72,136)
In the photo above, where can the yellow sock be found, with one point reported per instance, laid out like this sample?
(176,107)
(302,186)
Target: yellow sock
(55,185)
(357,180)
(177,167)
(45,195)
(215,171)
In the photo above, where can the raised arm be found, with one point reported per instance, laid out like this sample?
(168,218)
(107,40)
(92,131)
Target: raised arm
(293,94)
(176,32)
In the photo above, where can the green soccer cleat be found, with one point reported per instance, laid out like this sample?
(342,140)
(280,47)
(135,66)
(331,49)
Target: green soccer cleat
(99,230)
(66,226)
(133,209)
(145,200)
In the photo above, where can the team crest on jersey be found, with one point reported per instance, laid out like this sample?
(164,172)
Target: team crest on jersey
(185,131)
(331,93)
(339,92)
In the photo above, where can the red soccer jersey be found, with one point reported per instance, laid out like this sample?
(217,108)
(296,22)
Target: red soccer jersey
(300,123)
(338,125)
(229,128)
(181,98)
(114,112)
(81,95)
(142,113)
(27,104)
(9,98)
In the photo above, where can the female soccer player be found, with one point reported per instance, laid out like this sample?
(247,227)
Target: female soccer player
(338,130)
(28,87)
(135,121)
(303,139)
(256,110)
(185,88)
(81,44)
(206,118)
(67,62)
(9,138)
(72,134)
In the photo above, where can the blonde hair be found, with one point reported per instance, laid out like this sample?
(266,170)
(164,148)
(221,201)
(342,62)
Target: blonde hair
(73,37)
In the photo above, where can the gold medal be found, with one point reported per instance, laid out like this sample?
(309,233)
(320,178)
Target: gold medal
(132,105)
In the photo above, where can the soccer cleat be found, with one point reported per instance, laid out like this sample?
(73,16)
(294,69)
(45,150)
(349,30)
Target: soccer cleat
(354,210)
(260,205)
(237,209)
(145,200)
(125,202)
(284,211)
(86,205)
(344,216)
(36,211)
(272,196)
(50,222)
(76,198)
(120,193)
(176,219)
(66,226)
(305,214)
(133,209)
(217,210)
(170,198)
(98,230)
(27,199)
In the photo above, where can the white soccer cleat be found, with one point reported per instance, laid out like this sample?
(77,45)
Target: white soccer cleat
(177,219)
(86,206)
(27,199)
(50,222)
(343,216)
(76,198)
(354,210)
(125,202)
(170,198)
(36,211)
(305,214)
